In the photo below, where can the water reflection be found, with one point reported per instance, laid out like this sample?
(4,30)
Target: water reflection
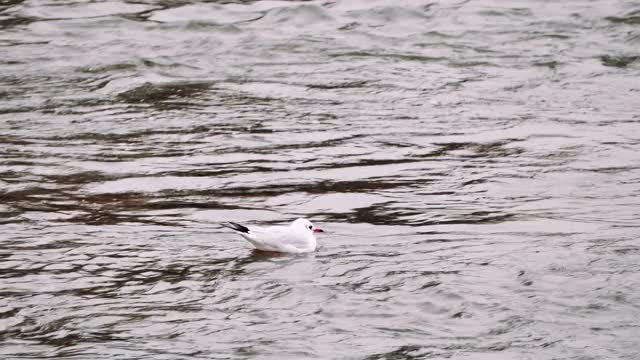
(476,167)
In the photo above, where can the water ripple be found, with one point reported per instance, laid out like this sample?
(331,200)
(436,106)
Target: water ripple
(474,164)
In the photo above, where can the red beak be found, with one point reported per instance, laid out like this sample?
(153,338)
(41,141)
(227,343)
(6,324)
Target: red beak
(318,230)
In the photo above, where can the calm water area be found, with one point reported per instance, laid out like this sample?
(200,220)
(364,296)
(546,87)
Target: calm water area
(475,165)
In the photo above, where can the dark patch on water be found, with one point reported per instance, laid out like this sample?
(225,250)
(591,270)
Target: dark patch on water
(149,93)
(618,61)
(632,18)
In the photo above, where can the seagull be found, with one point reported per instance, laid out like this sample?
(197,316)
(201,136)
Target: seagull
(298,237)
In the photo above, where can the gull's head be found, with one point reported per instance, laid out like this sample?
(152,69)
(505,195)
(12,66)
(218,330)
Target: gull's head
(305,225)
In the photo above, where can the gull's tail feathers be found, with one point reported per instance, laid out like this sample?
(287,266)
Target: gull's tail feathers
(236,227)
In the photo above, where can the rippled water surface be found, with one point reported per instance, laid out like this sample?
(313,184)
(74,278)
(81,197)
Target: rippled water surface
(475,163)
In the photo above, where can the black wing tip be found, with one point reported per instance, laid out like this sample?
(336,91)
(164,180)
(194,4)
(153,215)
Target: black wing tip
(236,227)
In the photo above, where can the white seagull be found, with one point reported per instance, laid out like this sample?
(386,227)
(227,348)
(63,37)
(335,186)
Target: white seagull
(296,238)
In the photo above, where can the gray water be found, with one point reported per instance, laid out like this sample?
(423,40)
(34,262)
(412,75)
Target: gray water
(475,164)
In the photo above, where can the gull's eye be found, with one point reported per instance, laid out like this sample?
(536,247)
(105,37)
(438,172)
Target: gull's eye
(310,227)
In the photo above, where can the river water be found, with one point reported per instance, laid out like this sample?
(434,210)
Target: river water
(476,165)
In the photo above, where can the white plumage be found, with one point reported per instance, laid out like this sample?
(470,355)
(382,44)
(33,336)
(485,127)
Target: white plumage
(296,238)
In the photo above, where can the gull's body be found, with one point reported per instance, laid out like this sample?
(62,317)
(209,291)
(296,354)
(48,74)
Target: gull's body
(295,238)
